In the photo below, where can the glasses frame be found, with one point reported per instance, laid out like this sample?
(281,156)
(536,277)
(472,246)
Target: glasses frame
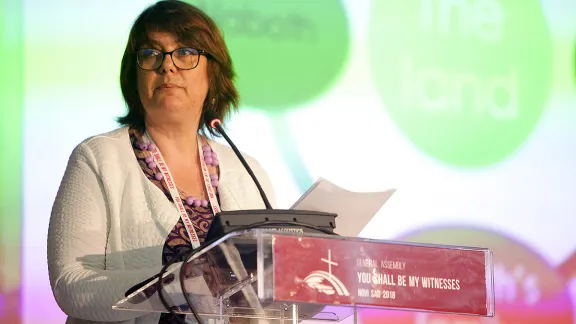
(200,52)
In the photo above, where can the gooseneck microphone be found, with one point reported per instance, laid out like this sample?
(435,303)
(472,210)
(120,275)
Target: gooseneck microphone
(229,221)
(217,124)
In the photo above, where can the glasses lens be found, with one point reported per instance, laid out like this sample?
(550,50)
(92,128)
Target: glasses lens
(149,59)
(186,58)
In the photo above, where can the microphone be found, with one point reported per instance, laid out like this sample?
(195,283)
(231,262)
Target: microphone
(289,220)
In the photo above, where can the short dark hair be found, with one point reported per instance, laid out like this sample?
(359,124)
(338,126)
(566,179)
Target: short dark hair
(194,28)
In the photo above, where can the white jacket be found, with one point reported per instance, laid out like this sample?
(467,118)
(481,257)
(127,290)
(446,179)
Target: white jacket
(109,224)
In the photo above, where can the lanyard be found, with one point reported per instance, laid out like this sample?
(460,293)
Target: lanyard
(159,160)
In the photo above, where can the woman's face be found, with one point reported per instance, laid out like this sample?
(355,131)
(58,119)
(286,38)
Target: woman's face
(170,94)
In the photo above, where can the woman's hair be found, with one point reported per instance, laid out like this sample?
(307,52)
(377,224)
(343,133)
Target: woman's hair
(192,27)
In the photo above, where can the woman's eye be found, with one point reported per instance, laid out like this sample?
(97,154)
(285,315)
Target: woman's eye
(186,51)
(149,52)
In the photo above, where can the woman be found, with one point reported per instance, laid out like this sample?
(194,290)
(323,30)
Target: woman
(115,222)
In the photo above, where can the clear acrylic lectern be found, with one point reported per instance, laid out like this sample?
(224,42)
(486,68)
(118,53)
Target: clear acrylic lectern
(264,276)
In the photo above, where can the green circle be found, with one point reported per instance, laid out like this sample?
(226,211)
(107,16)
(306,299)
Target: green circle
(465,80)
(285,53)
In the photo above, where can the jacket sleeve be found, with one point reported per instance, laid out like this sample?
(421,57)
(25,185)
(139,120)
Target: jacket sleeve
(77,237)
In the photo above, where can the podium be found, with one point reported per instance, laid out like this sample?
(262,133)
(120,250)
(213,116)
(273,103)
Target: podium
(267,276)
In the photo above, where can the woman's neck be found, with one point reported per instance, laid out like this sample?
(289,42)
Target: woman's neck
(177,143)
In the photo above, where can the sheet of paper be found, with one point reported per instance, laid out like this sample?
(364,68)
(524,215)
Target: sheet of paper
(354,209)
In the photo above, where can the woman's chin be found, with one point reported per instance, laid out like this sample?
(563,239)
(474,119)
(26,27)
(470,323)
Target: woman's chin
(173,111)
(171,103)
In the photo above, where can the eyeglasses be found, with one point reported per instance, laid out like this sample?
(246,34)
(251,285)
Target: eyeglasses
(184,58)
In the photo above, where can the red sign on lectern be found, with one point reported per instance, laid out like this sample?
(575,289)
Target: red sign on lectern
(396,275)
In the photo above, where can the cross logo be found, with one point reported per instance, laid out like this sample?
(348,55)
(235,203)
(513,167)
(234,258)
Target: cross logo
(330,262)
(326,282)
